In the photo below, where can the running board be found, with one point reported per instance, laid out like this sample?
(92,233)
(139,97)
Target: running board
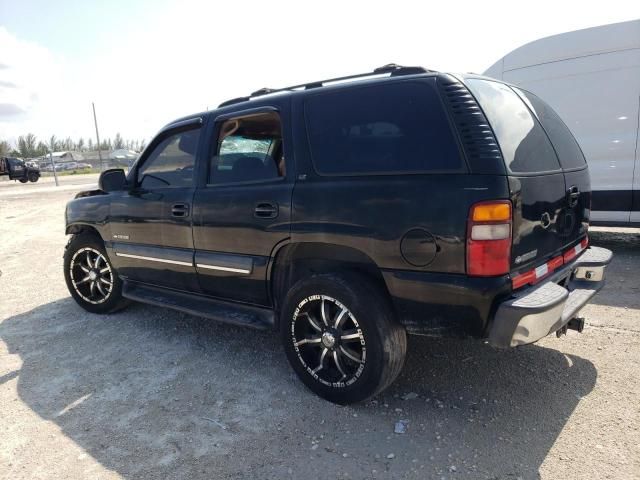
(221,311)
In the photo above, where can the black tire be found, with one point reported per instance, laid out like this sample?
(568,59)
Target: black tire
(33,177)
(82,262)
(366,364)
(22,180)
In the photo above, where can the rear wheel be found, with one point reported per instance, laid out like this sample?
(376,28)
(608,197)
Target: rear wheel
(23,180)
(341,338)
(90,277)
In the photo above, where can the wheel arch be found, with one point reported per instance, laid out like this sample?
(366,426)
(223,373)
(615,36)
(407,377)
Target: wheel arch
(293,261)
(83,228)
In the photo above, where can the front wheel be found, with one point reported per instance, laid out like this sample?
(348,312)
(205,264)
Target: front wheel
(341,337)
(90,277)
(23,180)
(33,177)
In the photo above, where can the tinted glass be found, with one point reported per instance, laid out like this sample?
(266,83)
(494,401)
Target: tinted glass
(171,163)
(250,150)
(14,162)
(566,146)
(525,147)
(392,128)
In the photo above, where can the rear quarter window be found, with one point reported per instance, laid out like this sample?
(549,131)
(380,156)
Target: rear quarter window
(567,148)
(524,144)
(383,129)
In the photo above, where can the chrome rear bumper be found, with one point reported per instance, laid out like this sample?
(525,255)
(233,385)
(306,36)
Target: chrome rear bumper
(536,312)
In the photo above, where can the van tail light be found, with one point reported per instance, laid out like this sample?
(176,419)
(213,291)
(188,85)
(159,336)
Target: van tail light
(489,239)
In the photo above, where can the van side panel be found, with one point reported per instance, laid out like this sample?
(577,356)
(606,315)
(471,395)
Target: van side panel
(591,78)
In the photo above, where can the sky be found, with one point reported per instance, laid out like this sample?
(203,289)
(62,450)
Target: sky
(145,63)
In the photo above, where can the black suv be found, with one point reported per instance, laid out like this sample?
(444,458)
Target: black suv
(346,213)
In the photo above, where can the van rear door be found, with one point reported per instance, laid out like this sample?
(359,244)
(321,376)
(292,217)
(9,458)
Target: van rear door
(550,205)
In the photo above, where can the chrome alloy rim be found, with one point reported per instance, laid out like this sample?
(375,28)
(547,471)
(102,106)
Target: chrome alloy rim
(328,341)
(91,275)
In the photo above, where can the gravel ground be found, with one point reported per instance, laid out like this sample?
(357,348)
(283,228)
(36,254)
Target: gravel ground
(153,394)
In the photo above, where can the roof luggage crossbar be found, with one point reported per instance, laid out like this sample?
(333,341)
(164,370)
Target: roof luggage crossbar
(392,69)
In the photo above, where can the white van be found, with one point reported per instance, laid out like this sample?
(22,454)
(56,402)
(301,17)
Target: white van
(591,78)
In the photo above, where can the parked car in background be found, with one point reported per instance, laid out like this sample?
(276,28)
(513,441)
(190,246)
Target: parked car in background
(68,166)
(418,202)
(591,78)
(123,157)
(16,169)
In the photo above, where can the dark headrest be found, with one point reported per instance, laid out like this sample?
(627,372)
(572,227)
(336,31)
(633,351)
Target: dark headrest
(247,164)
(254,168)
(189,141)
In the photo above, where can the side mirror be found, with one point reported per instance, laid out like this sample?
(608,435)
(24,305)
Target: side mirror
(112,180)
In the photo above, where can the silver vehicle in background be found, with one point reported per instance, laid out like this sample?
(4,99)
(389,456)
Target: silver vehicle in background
(591,77)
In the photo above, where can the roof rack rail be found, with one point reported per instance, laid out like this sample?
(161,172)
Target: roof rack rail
(391,68)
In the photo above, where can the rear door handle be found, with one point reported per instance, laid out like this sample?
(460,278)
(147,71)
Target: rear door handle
(573,195)
(180,210)
(266,210)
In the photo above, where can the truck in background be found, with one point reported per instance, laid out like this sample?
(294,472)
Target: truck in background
(16,169)
(591,77)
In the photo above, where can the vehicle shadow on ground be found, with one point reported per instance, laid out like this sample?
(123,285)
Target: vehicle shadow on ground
(621,289)
(151,393)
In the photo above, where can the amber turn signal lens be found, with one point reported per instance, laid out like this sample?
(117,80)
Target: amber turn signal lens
(491,212)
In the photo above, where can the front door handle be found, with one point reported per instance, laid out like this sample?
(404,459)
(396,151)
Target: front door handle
(180,210)
(266,210)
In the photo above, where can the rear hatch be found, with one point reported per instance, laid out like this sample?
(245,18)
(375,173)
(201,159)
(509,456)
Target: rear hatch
(547,172)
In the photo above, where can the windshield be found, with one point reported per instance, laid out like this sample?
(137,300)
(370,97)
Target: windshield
(14,162)
(567,148)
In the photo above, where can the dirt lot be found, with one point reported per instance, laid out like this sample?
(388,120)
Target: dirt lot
(149,393)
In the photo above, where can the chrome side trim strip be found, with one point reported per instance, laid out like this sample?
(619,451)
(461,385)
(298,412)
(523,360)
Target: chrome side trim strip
(223,269)
(154,259)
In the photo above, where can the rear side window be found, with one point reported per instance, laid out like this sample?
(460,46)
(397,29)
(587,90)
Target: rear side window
(524,144)
(566,146)
(395,128)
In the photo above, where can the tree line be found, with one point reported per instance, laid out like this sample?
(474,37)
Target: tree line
(29,146)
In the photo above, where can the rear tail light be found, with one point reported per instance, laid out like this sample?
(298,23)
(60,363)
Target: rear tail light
(489,239)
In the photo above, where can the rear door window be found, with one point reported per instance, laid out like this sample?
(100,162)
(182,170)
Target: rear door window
(250,149)
(524,144)
(567,148)
(383,129)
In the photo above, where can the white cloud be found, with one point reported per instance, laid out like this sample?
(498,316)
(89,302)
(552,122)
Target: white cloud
(189,55)
(28,74)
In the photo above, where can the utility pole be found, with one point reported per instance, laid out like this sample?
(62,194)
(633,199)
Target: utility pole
(95,121)
(53,165)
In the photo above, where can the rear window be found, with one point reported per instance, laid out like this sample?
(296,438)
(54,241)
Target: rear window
(393,128)
(524,144)
(566,146)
